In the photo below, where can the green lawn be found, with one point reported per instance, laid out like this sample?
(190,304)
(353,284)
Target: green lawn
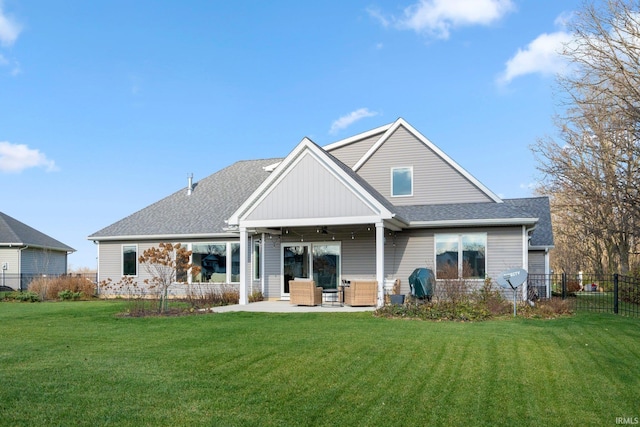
(77,364)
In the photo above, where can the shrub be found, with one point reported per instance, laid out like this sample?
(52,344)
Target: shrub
(49,288)
(256,296)
(23,296)
(69,295)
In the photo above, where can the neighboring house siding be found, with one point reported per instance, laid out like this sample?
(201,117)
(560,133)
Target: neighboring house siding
(434,180)
(12,257)
(537,262)
(303,192)
(351,153)
(38,261)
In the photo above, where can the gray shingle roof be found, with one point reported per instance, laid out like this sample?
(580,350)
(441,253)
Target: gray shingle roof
(538,207)
(204,212)
(526,208)
(216,197)
(14,232)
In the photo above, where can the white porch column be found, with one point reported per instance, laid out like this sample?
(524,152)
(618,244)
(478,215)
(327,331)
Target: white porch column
(380,262)
(244,277)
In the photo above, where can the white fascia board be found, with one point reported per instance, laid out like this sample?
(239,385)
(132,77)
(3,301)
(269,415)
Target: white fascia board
(352,139)
(307,222)
(432,146)
(472,222)
(161,237)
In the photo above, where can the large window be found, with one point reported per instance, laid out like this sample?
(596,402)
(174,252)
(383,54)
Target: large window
(402,181)
(215,263)
(461,255)
(212,260)
(129,260)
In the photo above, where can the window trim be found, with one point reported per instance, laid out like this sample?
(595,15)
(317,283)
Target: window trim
(461,252)
(122,246)
(396,168)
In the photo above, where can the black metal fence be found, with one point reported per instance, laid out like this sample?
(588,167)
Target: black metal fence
(607,293)
(20,282)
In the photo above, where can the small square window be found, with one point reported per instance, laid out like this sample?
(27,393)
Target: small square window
(402,181)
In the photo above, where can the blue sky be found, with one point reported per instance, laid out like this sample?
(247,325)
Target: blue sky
(107,106)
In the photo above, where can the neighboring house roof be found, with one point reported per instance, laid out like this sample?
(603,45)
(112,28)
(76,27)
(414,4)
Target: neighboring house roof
(16,233)
(202,213)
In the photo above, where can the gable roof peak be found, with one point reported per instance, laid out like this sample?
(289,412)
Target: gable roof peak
(400,122)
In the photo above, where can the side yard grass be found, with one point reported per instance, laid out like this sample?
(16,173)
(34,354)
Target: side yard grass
(77,363)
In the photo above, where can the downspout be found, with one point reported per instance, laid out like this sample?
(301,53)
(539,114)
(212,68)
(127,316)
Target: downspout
(525,257)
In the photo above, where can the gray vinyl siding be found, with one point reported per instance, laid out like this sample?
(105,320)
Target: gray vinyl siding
(416,248)
(350,154)
(536,262)
(110,260)
(303,193)
(12,257)
(38,261)
(412,249)
(504,250)
(272,278)
(434,180)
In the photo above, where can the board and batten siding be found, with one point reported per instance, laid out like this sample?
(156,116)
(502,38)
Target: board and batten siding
(350,154)
(304,192)
(434,180)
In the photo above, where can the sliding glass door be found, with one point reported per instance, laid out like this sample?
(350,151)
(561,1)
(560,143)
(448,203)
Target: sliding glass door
(317,261)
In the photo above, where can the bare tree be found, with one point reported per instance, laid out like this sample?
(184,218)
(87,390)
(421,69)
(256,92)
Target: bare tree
(592,175)
(163,264)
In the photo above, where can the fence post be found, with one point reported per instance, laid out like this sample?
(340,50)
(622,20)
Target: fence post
(564,285)
(615,293)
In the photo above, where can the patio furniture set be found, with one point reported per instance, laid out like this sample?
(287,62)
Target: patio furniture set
(353,293)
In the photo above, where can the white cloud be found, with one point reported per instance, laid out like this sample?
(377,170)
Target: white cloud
(9,29)
(439,17)
(17,157)
(540,56)
(349,119)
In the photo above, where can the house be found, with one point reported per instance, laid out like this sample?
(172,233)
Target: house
(26,253)
(373,206)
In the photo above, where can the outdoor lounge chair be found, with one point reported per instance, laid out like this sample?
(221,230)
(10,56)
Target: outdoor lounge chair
(361,292)
(304,292)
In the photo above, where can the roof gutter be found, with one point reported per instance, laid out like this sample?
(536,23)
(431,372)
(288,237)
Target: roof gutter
(159,237)
(473,222)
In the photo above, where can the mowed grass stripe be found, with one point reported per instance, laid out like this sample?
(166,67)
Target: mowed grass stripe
(78,364)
